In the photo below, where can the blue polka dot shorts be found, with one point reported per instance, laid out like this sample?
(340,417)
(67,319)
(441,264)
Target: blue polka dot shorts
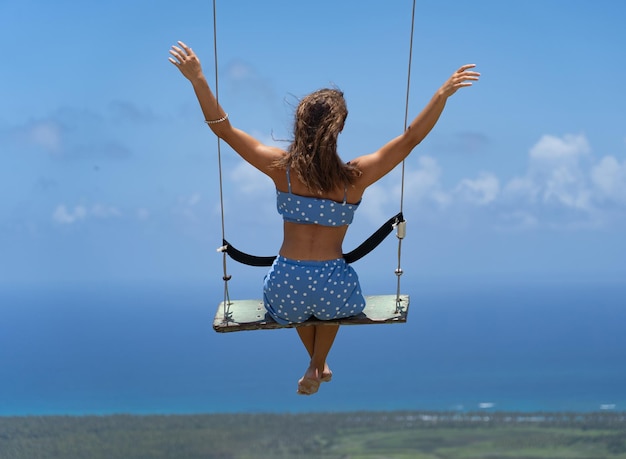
(295,290)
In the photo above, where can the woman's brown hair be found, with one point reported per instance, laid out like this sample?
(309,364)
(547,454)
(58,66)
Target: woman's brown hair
(312,155)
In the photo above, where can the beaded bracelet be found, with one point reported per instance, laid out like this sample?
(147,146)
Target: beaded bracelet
(224,118)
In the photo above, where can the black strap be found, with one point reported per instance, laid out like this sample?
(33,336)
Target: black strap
(245,258)
(366,247)
(374,240)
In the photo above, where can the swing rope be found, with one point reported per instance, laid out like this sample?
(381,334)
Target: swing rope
(225,277)
(401,226)
(397,221)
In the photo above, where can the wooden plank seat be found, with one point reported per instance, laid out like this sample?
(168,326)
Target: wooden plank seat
(251,315)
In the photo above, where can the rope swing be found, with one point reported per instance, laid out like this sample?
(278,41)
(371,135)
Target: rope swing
(250,314)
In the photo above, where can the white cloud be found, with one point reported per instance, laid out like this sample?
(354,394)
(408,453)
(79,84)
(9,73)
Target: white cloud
(482,191)
(376,203)
(65,216)
(424,184)
(556,176)
(609,177)
(248,179)
(567,186)
(250,194)
(522,188)
(551,149)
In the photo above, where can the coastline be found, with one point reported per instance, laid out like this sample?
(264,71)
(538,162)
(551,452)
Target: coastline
(425,416)
(357,435)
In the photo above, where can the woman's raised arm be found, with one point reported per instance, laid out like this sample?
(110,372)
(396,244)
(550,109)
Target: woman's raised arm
(259,155)
(377,164)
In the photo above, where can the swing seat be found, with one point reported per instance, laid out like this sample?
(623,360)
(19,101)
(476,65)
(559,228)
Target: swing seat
(243,315)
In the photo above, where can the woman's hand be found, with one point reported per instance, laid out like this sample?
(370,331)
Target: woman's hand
(459,79)
(187,62)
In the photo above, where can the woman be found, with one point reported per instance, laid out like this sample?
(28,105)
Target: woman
(317,195)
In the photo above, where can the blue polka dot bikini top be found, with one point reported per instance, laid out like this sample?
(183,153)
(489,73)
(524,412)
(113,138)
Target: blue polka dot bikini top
(316,211)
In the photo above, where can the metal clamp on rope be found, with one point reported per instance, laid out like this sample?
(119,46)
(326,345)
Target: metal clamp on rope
(400,229)
(222,249)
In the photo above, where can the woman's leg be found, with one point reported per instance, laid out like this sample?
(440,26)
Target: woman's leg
(318,340)
(307,336)
(324,339)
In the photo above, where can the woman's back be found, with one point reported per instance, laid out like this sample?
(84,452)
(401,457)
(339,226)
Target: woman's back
(317,230)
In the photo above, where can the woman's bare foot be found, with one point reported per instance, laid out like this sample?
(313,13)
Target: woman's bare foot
(327,375)
(310,382)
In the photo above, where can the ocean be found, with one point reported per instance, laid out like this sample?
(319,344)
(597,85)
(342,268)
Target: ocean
(150,348)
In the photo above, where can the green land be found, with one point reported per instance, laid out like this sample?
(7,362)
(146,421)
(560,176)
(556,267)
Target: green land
(354,435)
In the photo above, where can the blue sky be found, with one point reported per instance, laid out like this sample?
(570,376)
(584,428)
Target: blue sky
(108,172)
